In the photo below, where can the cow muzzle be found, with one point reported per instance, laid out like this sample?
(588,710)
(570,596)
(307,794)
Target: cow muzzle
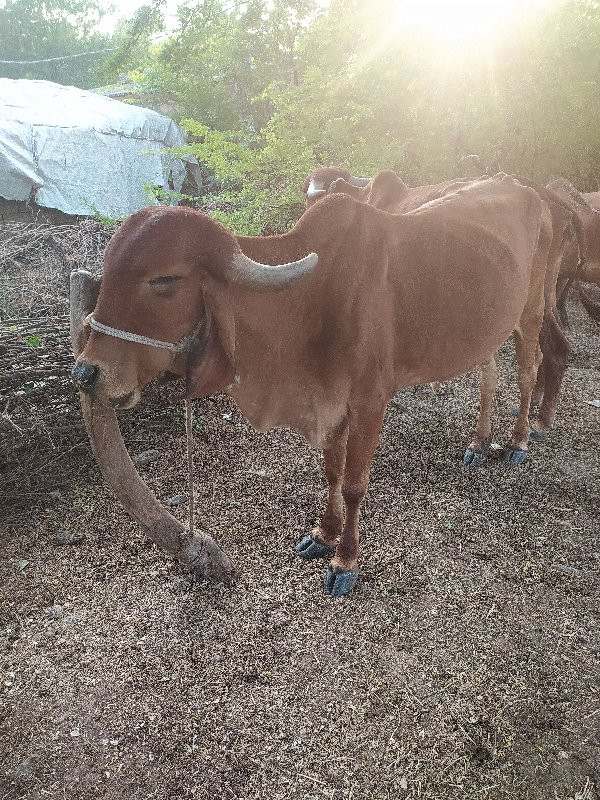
(85,376)
(103,387)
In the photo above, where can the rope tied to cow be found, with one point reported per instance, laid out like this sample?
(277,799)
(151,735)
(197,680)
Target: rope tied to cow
(190,463)
(174,347)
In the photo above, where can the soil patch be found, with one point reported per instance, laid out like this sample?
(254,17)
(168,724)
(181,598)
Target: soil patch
(464,665)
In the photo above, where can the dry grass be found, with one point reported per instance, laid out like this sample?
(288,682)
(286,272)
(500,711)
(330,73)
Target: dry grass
(465,664)
(35,262)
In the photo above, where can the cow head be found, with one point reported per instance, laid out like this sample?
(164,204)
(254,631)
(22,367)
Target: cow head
(386,190)
(318,182)
(163,305)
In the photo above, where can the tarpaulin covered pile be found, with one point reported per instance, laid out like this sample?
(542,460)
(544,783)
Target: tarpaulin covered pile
(80,152)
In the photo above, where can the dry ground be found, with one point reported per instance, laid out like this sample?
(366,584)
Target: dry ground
(464,665)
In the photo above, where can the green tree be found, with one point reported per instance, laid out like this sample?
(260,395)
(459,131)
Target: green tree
(223,56)
(279,89)
(132,42)
(36,30)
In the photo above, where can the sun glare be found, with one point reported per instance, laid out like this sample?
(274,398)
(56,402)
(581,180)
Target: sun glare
(458,21)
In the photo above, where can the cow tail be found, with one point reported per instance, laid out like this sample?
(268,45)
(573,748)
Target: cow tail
(561,304)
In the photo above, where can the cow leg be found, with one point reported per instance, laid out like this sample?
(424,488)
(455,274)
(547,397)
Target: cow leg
(562,304)
(538,391)
(488,381)
(342,573)
(323,539)
(540,383)
(529,357)
(541,295)
(555,347)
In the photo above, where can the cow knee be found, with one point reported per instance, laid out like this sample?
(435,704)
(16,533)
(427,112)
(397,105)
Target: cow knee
(353,492)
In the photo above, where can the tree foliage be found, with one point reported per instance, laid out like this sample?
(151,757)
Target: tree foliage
(34,30)
(132,43)
(345,87)
(224,55)
(272,89)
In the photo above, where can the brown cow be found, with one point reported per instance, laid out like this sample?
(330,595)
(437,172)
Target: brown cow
(393,301)
(581,266)
(388,192)
(385,191)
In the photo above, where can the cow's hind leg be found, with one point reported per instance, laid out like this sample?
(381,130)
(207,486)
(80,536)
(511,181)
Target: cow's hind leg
(562,304)
(529,357)
(555,347)
(475,453)
(527,334)
(363,433)
(322,540)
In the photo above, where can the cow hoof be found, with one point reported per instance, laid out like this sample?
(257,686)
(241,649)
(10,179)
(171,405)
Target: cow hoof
(536,436)
(514,456)
(514,412)
(473,458)
(339,582)
(311,547)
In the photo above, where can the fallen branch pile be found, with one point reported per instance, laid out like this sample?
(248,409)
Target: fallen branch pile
(39,408)
(35,262)
(40,418)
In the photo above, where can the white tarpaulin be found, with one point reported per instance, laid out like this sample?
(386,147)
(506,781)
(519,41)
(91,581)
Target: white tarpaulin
(80,152)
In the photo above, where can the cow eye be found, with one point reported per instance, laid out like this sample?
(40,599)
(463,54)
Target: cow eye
(164,280)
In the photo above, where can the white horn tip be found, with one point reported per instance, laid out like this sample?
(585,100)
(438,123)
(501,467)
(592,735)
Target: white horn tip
(310,261)
(276,276)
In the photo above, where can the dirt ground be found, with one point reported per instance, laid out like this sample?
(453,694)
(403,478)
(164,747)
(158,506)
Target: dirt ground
(464,665)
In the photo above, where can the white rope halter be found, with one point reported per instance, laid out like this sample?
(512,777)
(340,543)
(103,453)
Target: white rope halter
(175,348)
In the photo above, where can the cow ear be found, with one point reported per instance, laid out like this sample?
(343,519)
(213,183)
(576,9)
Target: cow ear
(210,366)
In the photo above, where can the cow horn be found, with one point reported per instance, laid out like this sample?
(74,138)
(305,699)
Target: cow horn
(83,294)
(263,276)
(315,190)
(359,182)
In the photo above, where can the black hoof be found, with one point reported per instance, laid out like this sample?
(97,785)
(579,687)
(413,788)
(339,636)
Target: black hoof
(514,456)
(340,582)
(310,548)
(473,458)
(536,436)
(514,412)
